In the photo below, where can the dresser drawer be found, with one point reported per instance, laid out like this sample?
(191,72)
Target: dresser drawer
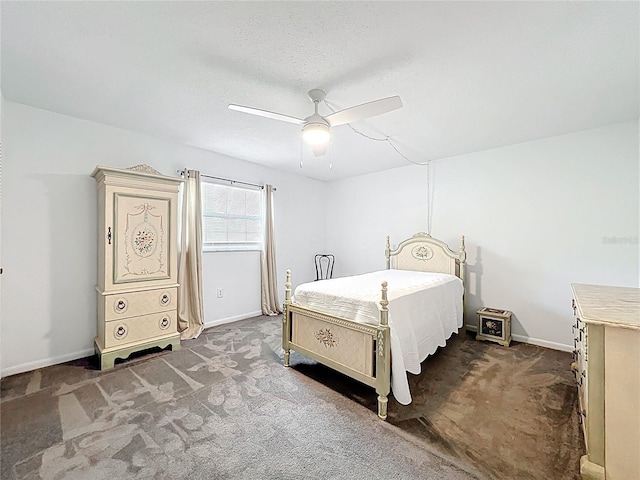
(139,329)
(139,303)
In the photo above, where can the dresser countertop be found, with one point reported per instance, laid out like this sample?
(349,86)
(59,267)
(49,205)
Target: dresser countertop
(607,305)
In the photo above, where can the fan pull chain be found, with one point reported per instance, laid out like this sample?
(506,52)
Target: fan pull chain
(300,151)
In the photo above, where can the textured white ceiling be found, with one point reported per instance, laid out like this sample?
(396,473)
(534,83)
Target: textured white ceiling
(472,75)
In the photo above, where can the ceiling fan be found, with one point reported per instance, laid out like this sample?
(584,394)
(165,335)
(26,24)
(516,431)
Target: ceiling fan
(316,129)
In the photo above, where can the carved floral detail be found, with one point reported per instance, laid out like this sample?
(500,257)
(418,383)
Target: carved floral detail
(380,343)
(144,240)
(144,168)
(327,338)
(422,252)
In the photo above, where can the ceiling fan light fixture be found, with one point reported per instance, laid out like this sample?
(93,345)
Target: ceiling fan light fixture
(316,133)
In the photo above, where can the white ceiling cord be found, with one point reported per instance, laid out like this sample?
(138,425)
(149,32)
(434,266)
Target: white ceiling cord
(429,198)
(388,140)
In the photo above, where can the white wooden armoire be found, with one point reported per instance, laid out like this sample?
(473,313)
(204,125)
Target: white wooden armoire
(137,261)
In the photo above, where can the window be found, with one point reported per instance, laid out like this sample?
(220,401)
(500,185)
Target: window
(232,217)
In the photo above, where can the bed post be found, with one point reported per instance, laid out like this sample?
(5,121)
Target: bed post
(383,362)
(463,263)
(387,253)
(286,326)
(463,260)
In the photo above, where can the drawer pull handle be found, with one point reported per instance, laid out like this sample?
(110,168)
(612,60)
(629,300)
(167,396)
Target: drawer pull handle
(165,299)
(164,323)
(120,332)
(121,306)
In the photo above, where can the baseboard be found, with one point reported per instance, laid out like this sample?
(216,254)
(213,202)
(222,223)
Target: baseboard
(46,362)
(533,341)
(222,321)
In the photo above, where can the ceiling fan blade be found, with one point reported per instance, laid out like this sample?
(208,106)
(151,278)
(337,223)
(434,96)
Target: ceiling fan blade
(365,110)
(319,150)
(266,113)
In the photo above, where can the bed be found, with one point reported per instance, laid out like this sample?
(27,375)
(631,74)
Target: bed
(355,324)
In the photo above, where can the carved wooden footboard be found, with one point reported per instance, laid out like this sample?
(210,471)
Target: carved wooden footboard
(358,350)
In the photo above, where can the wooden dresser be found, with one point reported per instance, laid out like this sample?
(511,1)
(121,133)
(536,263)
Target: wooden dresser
(137,262)
(607,368)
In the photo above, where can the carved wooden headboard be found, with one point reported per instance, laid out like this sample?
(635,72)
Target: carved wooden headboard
(424,253)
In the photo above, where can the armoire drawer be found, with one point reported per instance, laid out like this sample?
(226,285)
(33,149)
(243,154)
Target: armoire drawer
(138,303)
(139,329)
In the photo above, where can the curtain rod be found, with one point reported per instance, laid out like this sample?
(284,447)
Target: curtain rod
(182,172)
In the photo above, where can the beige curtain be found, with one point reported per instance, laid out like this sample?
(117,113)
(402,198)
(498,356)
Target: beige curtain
(190,308)
(270,303)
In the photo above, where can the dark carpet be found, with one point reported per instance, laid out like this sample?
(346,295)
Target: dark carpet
(511,412)
(224,407)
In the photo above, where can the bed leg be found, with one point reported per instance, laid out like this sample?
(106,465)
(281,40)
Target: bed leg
(287,358)
(382,407)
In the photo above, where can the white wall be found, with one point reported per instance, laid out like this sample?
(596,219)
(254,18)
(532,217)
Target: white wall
(537,217)
(1,263)
(49,245)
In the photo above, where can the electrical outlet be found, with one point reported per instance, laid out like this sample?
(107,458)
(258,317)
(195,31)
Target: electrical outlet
(220,293)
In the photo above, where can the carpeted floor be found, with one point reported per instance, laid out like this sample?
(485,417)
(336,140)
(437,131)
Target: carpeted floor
(224,407)
(510,412)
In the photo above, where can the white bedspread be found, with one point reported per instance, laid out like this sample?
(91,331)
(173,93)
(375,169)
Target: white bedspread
(425,309)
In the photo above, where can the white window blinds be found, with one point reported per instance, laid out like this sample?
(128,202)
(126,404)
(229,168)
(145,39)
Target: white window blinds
(232,217)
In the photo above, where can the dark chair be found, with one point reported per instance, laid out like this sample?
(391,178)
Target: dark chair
(324,266)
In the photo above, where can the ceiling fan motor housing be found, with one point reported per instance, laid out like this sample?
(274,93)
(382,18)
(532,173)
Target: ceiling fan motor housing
(317,95)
